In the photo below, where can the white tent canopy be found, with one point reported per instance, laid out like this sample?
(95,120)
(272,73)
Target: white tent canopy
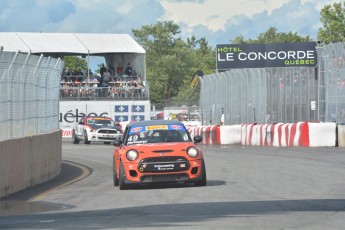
(115,48)
(75,43)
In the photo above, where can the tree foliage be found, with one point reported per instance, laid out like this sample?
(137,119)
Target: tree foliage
(333,20)
(272,36)
(75,63)
(171,62)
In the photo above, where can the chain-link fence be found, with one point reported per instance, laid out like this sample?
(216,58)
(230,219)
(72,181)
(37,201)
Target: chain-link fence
(267,95)
(271,95)
(332,79)
(29,94)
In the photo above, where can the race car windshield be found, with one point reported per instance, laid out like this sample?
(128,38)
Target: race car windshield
(157,134)
(101,123)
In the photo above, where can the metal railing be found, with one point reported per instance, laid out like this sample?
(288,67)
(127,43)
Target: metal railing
(88,92)
(29,94)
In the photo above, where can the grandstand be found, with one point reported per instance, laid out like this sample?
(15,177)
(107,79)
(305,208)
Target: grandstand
(121,95)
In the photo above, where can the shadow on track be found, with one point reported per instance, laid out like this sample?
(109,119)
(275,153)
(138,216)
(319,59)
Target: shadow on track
(168,215)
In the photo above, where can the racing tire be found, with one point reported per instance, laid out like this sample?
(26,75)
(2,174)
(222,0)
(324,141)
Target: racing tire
(75,140)
(115,179)
(86,140)
(122,178)
(203,180)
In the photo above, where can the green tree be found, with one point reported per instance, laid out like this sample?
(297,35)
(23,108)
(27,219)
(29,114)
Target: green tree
(333,20)
(171,62)
(272,36)
(75,63)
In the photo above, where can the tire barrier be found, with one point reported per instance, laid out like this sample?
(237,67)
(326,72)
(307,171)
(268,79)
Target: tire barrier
(302,134)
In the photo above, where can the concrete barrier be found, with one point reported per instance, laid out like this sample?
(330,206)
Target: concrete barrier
(302,134)
(322,134)
(210,134)
(341,135)
(230,134)
(29,161)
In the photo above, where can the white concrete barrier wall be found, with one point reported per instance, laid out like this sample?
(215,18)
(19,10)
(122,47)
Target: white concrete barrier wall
(29,161)
(322,134)
(303,134)
(291,134)
(230,134)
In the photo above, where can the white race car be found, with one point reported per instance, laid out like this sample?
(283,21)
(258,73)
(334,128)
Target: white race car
(96,129)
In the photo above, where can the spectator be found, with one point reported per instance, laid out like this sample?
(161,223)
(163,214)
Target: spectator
(119,69)
(134,73)
(112,70)
(102,70)
(128,70)
(106,78)
(80,72)
(69,71)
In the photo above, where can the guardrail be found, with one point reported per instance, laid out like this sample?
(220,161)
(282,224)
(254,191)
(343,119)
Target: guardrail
(90,92)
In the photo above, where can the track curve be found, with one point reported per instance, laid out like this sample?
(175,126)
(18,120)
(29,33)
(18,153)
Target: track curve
(248,188)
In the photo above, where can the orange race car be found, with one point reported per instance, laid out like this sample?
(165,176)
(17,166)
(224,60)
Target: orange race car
(157,151)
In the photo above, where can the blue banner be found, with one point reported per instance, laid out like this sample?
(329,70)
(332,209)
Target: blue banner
(121,118)
(121,108)
(138,108)
(138,117)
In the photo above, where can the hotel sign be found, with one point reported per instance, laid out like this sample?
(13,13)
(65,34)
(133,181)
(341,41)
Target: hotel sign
(266,55)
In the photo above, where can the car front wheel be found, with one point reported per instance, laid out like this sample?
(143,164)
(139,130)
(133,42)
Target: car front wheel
(115,179)
(122,176)
(86,140)
(203,180)
(75,140)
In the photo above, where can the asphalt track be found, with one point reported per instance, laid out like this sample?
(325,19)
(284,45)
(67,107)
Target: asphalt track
(248,188)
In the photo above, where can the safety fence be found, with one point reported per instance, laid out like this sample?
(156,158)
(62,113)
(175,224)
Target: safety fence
(29,94)
(278,95)
(332,79)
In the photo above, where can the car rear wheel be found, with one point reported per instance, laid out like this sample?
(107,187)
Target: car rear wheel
(86,140)
(122,177)
(203,180)
(74,138)
(115,179)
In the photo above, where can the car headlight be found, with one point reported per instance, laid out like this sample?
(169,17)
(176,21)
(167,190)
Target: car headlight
(132,155)
(192,152)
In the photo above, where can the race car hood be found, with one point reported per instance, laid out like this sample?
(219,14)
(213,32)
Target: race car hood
(167,149)
(96,127)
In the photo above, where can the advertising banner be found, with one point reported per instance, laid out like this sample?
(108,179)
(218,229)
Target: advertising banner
(232,56)
(72,111)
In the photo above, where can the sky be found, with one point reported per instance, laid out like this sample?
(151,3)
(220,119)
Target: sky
(219,21)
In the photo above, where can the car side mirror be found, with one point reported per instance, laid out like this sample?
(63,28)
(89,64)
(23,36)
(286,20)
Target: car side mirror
(117,143)
(197,139)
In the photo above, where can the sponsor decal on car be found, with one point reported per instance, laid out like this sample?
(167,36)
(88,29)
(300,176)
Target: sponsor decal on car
(178,127)
(136,129)
(156,127)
